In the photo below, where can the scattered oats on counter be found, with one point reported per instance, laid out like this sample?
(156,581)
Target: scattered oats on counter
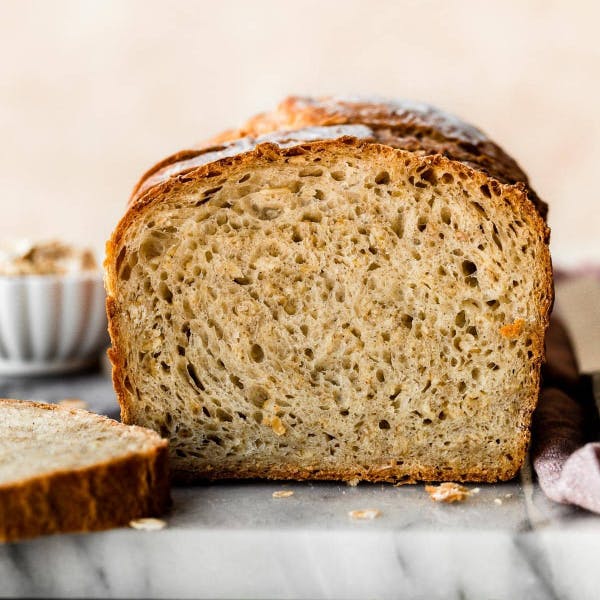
(73,403)
(283,494)
(148,524)
(367,514)
(447,492)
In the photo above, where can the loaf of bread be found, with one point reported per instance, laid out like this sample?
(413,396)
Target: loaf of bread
(64,470)
(341,289)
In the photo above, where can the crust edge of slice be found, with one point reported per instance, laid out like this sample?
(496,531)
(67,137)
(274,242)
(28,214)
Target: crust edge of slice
(101,496)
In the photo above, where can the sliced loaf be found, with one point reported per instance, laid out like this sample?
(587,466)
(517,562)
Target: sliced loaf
(362,297)
(65,470)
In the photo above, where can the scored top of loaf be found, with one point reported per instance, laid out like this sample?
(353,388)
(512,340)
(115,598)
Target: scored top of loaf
(296,112)
(402,124)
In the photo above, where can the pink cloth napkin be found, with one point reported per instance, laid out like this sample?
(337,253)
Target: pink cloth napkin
(564,455)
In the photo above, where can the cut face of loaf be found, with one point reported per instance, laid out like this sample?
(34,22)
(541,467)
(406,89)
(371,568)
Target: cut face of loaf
(64,470)
(333,309)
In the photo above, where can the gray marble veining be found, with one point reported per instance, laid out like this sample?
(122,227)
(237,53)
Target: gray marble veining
(235,540)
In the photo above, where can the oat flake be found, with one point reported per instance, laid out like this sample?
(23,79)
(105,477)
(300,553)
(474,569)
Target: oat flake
(367,514)
(148,524)
(283,494)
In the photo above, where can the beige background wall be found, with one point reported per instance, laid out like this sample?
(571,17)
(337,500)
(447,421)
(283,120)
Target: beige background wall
(91,93)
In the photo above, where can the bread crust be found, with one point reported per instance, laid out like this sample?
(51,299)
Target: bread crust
(214,161)
(383,474)
(101,496)
(415,127)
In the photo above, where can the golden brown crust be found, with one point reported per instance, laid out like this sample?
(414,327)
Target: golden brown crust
(411,126)
(182,155)
(405,125)
(383,474)
(178,165)
(211,163)
(105,495)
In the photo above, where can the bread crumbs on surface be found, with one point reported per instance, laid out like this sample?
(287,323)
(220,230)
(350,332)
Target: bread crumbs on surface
(283,494)
(498,501)
(73,403)
(367,514)
(148,524)
(512,330)
(447,492)
(353,482)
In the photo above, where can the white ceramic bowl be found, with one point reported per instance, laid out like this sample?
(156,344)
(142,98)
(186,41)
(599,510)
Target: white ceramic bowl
(51,323)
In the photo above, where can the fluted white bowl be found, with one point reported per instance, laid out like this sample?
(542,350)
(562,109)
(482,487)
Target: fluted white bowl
(51,323)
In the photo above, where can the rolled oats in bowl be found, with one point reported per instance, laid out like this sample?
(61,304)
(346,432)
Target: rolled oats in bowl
(52,308)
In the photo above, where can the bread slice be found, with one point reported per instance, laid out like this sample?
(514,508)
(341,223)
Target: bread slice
(361,298)
(64,470)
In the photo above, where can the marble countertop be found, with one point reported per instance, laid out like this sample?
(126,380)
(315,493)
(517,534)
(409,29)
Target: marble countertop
(235,540)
